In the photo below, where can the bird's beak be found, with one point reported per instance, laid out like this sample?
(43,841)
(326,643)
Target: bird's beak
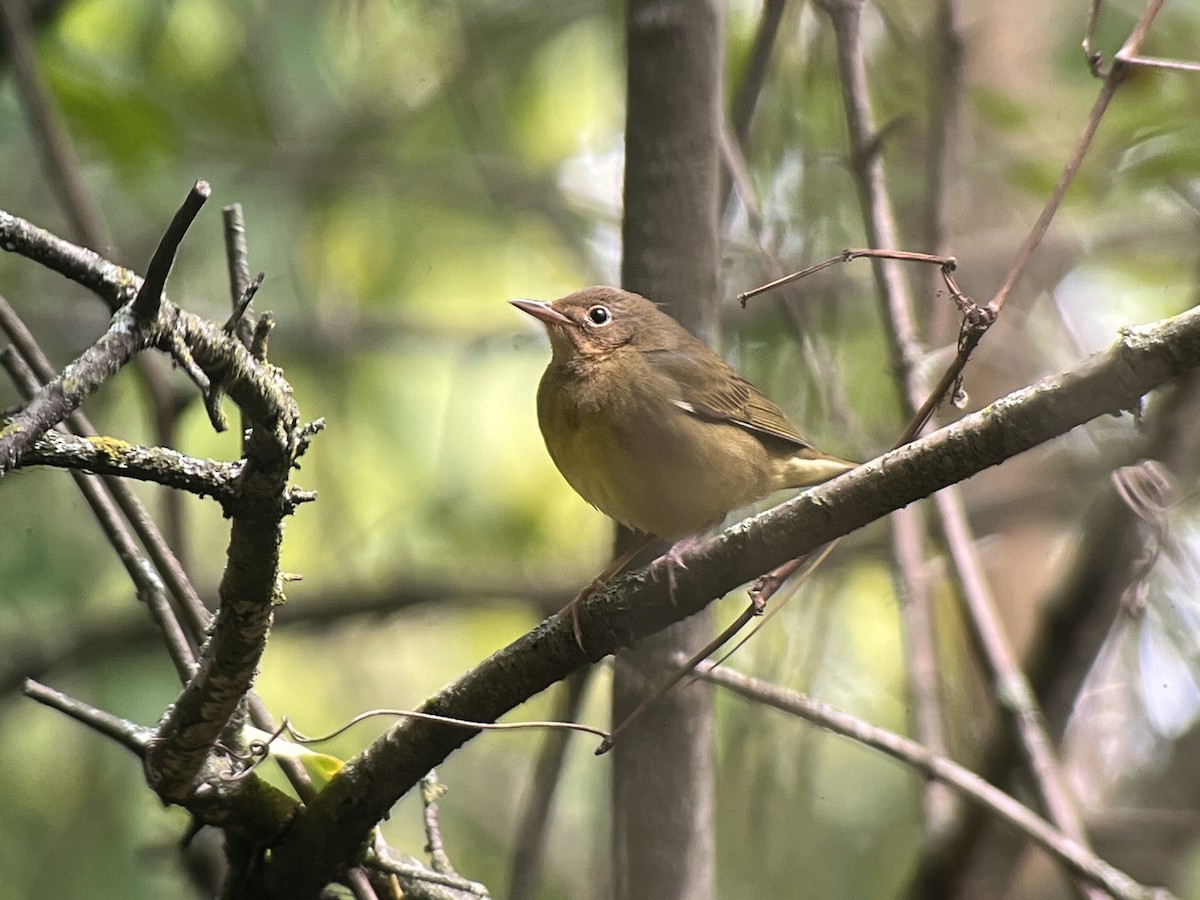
(543,311)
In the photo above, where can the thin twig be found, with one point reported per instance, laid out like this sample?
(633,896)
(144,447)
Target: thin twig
(302,738)
(431,789)
(924,671)
(58,155)
(1155,62)
(755,75)
(149,586)
(946,263)
(1108,90)
(897,310)
(981,611)
(195,616)
(128,734)
(58,397)
(237,260)
(745,101)
(677,676)
(234,322)
(415,872)
(1095,59)
(156,465)
(1077,858)
(941,160)
(1011,687)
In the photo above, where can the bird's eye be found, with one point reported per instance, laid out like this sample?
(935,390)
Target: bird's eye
(599,315)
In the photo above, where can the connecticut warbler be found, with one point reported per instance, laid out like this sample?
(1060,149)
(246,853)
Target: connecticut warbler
(652,427)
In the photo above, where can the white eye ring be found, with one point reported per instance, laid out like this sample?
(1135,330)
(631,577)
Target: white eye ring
(599,315)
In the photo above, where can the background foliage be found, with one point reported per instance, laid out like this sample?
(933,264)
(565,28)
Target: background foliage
(407,167)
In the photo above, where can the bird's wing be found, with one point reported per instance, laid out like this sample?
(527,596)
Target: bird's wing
(710,388)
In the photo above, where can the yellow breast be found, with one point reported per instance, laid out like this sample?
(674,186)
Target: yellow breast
(639,458)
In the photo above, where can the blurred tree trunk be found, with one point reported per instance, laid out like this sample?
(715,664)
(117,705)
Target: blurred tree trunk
(663,834)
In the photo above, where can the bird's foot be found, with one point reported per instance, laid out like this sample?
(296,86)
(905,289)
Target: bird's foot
(672,560)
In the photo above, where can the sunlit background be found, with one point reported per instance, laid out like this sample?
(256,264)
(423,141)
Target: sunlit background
(405,168)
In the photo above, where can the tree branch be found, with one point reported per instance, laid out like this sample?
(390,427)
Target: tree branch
(160,465)
(328,834)
(1078,858)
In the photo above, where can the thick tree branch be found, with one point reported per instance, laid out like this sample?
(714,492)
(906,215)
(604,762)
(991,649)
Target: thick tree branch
(251,585)
(250,589)
(327,835)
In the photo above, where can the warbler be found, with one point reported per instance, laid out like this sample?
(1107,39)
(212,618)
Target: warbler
(652,427)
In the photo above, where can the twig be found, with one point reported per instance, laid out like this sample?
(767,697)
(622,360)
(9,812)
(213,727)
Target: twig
(233,323)
(236,255)
(56,398)
(38,651)
(431,789)
(251,583)
(1011,687)
(237,260)
(471,724)
(946,263)
(146,303)
(128,734)
(1095,59)
(897,311)
(981,610)
(924,672)
(57,156)
(250,807)
(1108,90)
(1155,62)
(946,90)
(932,765)
(415,872)
(755,75)
(761,591)
(66,179)
(879,220)
(195,616)
(677,676)
(746,100)
(149,586)
(157,465)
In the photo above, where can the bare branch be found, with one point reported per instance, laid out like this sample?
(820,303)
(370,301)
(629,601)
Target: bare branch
(1078,858)
(145,304)
(160,465)
(128,734)
(149,586)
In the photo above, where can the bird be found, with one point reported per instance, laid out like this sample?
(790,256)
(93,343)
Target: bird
(652,427)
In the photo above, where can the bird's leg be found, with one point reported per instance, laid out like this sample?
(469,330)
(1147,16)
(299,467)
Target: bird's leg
(598,583)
